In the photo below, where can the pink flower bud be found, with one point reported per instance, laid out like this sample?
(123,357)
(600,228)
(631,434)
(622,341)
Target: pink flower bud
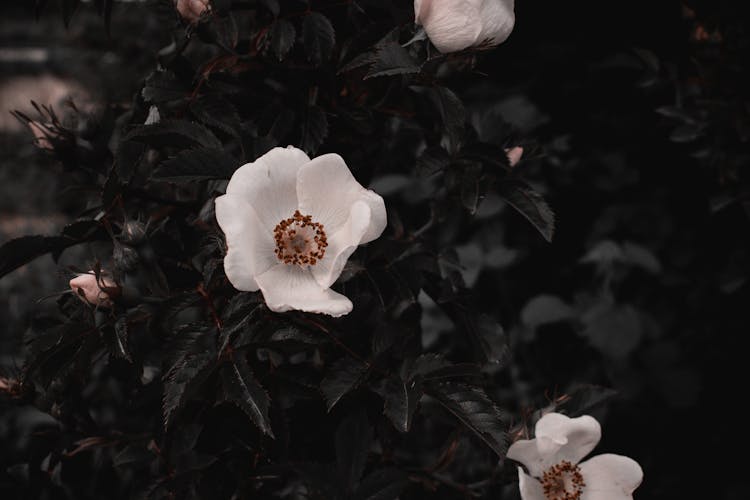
(191,10)
(514,155)
(95,292)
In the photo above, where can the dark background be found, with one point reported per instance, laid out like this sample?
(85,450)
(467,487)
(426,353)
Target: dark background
(635,122)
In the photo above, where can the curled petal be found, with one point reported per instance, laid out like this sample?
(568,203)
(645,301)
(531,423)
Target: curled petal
(327,190)
(610,477)
(269,184)
(288,287)
(531,488)
(250,244)
(561,438)
(342,244)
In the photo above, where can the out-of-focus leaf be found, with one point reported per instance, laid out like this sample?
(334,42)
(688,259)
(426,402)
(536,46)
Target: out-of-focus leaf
(344,376)
(470,187)
(197,165)
(544,309)
(615,330)
(531,205)
(69,8)
(121,339)
(177,133)
(319,37)
(353,440)
(475,410)
(242,389)
(133,454)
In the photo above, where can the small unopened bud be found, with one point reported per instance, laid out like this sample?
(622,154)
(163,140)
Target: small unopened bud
(96,291)
(126,257)
(133,232)
(191,10)
(514,155)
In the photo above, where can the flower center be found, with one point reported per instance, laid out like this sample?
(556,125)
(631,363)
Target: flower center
(563,482)
(299,240)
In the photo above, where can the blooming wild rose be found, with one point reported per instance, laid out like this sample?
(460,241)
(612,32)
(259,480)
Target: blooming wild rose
(552,460)
(454,25)
(291,223)
(191,10)
(95,292)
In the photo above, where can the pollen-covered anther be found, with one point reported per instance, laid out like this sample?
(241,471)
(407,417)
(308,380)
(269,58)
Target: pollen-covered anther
(563,481)
(299,240)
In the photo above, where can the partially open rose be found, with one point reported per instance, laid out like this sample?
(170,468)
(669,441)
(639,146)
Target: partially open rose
(454,25)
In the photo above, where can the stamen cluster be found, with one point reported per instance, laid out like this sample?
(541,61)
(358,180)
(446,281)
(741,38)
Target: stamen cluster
(299,240)
(563,482)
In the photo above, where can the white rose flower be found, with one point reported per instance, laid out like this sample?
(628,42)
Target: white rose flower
(291,223)
(191,10)
(454,25)
(95,292)
(552,460)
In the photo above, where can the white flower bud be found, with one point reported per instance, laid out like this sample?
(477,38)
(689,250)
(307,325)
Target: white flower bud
(454,25)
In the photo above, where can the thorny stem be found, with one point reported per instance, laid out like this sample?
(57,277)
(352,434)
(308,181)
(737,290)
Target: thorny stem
(202,291)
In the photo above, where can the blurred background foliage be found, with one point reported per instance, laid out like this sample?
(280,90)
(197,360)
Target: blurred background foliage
(634,122)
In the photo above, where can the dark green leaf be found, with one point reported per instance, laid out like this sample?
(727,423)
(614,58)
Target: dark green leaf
(242,389)
(432,160)
(197,165)
(163,86)
(68,9)
(217,113)
(353,440)
(531,205)
(17,252)
(452,112)
(344,376)
(187,375)
(177,133)
(401,401)
(133,454)
(392,59)
(475,410)
(382,484)
(314,129)
(319,37)
(281,38)
(470,187)
(121,339)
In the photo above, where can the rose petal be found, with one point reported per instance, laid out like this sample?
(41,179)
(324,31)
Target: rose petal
(530,488)
(526,452)
(250,244)
(498,20)
(610,477)
(269,184)
(327,190)
(342,244)
(561,438)
(451,25)
(287,287)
